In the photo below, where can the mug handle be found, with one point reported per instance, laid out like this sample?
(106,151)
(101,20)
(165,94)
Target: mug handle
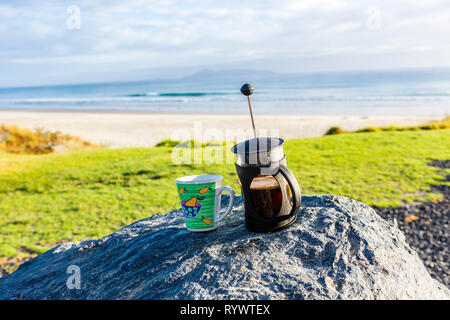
(230,204)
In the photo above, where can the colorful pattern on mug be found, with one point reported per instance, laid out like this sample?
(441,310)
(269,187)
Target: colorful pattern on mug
(198,204)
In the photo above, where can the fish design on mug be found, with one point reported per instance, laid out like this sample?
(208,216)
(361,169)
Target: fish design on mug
(206,221)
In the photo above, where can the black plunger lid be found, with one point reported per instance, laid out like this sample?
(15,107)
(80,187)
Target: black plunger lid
(256,145)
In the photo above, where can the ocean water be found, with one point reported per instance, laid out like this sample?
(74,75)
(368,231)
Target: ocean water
(406,92)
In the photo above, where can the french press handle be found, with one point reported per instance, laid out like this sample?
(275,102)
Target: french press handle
(295,188)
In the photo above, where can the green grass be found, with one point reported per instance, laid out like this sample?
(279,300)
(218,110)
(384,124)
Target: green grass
(88,194)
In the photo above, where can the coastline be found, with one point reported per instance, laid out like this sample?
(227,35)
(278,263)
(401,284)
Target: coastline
(144,129)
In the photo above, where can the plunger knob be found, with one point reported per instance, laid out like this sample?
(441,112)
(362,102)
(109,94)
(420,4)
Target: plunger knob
(247,89)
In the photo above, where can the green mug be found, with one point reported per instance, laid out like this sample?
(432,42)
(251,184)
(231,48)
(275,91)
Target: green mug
(200,201)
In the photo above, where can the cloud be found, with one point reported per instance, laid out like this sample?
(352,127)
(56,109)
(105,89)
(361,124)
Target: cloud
(345,26)
(171,33)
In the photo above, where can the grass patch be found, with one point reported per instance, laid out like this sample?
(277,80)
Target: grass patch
(88,194)
(168,143)
(334,130)
(372,129)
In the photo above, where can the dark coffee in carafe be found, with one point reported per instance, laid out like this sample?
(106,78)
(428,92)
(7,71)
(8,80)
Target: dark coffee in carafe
(266,184)
(266,196)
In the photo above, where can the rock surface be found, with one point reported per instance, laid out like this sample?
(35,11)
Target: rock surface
(337,249)
(3,273)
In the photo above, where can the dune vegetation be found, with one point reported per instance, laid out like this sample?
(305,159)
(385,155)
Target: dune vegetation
(21,140)
(435,125)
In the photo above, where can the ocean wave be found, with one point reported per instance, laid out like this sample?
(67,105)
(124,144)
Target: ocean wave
(431,94)
(179,94)
(153,97)
(81,101)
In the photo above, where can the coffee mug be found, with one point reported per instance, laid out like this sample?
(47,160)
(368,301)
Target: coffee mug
(200,197)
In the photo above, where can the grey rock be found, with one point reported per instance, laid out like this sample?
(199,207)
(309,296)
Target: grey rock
(3,273)
(337,249)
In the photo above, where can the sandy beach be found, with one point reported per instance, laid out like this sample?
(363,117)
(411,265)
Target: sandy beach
(127,129)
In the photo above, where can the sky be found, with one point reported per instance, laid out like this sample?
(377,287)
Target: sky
(82,41)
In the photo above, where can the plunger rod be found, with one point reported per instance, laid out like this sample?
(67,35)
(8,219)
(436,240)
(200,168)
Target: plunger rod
(251,115)
(247,89)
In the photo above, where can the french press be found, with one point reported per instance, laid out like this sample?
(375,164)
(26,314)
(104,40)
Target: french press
(265,181)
